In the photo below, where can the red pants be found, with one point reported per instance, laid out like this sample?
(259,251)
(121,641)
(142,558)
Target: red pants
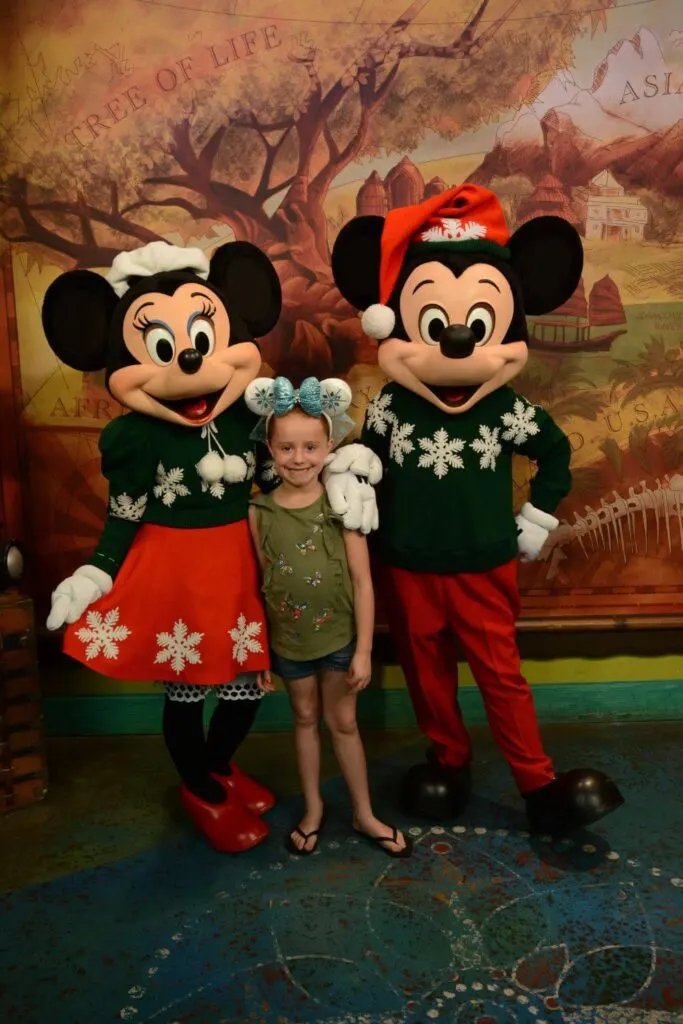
(426,612)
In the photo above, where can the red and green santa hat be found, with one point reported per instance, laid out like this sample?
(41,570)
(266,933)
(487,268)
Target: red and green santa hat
(466,218)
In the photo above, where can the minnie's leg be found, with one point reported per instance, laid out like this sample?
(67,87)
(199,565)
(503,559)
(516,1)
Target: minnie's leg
(236,709)
(185,741)
(217,814)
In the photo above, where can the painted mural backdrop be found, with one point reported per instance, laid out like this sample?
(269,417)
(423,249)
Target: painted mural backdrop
(276,122)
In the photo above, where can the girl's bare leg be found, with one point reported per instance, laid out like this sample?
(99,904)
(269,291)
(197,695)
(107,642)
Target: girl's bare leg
(339,711)
(305,699)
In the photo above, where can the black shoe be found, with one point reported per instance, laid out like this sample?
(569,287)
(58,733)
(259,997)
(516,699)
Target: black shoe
(572,801)
(432,790)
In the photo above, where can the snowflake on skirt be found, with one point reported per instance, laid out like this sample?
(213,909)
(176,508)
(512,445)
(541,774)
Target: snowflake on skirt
(244,639)
(102,635)
(178,647)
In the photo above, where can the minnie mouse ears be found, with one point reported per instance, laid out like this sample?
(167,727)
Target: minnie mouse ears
(79,305)
(329,398)
(267,397)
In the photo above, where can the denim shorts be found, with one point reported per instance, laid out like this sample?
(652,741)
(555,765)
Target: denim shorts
(337,661)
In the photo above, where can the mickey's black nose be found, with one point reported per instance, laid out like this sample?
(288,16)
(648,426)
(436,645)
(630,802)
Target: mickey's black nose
(190,360)
(457,341)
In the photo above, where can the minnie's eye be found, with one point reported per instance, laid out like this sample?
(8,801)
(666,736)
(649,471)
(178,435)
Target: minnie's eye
(160,344)
(203,335)
(481,320)
(433,320)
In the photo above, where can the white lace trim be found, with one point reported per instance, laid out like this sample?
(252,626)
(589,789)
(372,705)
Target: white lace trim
(185,693)
(243,687)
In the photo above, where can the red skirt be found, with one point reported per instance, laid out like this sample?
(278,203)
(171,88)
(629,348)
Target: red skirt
(185,608)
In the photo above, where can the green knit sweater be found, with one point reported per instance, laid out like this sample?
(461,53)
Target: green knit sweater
(446,498)
(151,468)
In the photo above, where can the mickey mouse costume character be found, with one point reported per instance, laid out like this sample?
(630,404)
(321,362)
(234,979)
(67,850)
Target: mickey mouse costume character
(172,592)
(445,289)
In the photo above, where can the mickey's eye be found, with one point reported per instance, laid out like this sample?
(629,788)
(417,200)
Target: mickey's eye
(203,335)
(433,320)
(481,320)
(160,344)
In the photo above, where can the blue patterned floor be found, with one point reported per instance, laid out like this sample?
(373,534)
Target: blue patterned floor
(482,925)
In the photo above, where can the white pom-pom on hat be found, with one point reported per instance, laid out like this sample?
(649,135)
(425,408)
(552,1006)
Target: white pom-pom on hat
(155,258)
(378,321)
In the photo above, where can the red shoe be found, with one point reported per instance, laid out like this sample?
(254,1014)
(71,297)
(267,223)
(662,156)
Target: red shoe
(255,797)
(229,827)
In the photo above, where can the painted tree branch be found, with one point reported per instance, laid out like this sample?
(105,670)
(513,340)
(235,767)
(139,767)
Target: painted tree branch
(87,233)
(264,189)
(314,123)
(467,43)
(244,212)
(86,252)
(299,224)
(179,202)
(251,121)
(14,239)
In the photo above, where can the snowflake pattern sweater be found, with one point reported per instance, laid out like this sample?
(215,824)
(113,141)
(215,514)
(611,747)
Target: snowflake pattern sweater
(446,499)
(151,468)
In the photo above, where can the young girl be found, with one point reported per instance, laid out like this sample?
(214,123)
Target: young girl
(319,597)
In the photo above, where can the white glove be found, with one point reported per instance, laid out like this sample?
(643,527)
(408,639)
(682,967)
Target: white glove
(356,458)
(533,528)
(352,499)
(73,595)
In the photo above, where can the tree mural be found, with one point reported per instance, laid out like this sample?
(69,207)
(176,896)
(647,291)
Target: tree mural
(196,122)
(259,151)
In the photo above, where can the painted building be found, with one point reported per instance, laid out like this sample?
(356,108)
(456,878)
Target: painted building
(611,214)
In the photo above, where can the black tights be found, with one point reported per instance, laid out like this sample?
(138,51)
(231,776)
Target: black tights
(196,755)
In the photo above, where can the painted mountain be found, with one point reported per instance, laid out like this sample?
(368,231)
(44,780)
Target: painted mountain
(630,122)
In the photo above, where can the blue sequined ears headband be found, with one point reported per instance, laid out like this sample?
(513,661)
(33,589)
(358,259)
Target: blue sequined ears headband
(329,398)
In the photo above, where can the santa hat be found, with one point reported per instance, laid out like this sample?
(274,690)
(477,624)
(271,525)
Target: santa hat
(466,218)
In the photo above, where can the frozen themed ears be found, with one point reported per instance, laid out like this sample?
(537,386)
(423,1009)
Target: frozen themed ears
(329,398)
(82,308)
(369,253)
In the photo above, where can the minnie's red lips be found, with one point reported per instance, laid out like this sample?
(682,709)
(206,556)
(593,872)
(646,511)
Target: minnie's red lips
(194,408)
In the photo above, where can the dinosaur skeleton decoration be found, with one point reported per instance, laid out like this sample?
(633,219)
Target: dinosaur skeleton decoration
(620,520)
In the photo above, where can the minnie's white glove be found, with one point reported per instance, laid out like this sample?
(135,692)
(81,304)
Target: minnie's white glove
(74,594)
(353,499)
(533,528)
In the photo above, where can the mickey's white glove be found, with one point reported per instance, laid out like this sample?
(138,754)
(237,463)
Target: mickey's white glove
(353,499)
(533,528)
(74,594)
(355,458)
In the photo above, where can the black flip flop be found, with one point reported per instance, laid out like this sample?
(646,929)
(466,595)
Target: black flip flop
(302,851)
(381,840)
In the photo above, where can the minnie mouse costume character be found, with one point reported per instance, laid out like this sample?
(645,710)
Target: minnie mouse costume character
(172,592)
(445,290)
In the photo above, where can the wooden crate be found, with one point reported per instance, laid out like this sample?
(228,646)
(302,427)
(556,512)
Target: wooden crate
(23,767)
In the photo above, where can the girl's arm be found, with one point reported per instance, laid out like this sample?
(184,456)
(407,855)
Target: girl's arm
(253,526)
(263,678)
(364,607)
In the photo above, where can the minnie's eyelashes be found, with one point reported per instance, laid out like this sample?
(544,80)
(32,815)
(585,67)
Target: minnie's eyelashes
(208,310)
(142,323)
